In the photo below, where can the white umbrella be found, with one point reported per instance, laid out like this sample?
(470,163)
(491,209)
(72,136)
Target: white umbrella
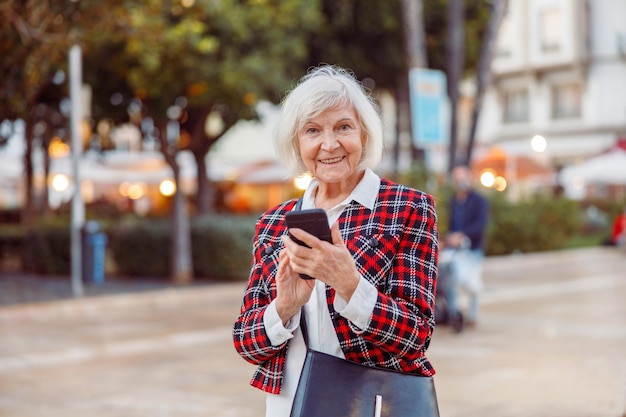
(607,168)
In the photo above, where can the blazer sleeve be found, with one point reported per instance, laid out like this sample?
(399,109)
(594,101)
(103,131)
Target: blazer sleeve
(403,319)
(249,335)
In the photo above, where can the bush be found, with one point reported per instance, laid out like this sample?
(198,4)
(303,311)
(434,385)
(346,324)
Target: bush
(46,249)
(539,223)
(221,247)
(141,247)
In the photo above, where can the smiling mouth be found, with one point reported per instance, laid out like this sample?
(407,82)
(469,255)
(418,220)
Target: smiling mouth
(331,161)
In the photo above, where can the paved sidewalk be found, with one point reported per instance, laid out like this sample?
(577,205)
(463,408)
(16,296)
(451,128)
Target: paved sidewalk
(551,343)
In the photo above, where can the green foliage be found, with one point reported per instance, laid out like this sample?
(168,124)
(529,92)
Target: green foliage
(539,223)
(229,52)
(46,250)
(435,25)
(141,248)
(222,246)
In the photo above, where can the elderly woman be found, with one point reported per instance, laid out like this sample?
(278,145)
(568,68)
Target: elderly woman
(372,298)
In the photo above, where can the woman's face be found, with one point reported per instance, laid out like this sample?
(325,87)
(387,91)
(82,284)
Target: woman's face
(331,145)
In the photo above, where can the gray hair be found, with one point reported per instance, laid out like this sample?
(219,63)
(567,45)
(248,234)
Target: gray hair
(323,88)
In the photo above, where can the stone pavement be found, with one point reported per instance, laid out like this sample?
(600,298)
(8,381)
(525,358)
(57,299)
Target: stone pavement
(551,342)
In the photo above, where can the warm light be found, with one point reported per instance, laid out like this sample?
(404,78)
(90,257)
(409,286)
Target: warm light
(57,148)
(136,191)
(167,187)
(60,182)
(214,124)
(538,143)
(301,182)
(487,178)
(187,3)
(123,189)
(499,183)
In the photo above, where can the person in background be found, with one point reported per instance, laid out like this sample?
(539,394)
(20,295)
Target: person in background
(618,233)
(468,217)
(372,299)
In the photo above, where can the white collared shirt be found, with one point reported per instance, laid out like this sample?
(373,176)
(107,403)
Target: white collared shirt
(322,336)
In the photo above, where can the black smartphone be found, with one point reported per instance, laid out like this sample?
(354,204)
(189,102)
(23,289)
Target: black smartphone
(313,221)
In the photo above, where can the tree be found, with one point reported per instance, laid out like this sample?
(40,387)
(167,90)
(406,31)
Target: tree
(483,72)
(35,36)
(368,38)
(205,65)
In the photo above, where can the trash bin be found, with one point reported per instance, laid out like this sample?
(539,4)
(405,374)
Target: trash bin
(94,252)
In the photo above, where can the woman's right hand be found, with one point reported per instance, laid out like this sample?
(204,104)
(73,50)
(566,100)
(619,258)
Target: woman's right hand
(292,292)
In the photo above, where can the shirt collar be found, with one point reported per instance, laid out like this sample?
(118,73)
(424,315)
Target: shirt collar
(365,193)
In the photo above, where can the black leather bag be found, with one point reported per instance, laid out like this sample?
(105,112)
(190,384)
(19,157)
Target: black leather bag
(334,387)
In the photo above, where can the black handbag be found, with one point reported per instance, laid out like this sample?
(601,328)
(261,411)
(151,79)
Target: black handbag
(333,387)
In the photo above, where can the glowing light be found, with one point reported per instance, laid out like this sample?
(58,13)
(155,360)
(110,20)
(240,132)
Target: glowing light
(60,182)
(167,187)
(302,181)
(123,188)
(487,178)
(133,191)
(538,143)
(500,183)
(136,191)
(57,148)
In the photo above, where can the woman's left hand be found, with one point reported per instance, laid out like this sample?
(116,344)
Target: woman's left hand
(330,263)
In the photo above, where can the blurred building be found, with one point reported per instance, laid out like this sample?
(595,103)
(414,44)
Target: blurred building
(558,73)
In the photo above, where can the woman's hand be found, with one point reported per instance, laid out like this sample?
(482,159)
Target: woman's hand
(330,263)
(292,291)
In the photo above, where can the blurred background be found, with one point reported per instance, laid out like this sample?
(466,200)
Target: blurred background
(136,154)
(179,97)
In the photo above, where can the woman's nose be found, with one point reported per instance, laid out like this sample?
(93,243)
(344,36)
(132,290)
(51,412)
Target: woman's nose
(329,141)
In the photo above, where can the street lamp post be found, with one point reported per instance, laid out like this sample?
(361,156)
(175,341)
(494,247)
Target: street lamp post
(78,206)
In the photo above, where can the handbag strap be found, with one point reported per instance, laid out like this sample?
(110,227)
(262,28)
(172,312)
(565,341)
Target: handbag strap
(303,327)
(298,205)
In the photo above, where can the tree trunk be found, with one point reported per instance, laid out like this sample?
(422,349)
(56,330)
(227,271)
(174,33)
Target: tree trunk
(28,207)
(415,49)
(181,256)
(483,74)
(456,56)
(205,197)
(182,261)
(414,33)
(403,124)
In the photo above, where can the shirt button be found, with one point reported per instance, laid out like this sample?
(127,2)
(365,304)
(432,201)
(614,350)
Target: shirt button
(373,242)
(269,250)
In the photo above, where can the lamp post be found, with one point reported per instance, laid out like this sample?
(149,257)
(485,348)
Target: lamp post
(78,206)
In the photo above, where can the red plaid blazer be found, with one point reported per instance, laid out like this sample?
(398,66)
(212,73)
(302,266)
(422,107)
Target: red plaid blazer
(394,247)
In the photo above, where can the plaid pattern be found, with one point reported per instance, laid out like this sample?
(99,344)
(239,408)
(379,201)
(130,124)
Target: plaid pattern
(394,247)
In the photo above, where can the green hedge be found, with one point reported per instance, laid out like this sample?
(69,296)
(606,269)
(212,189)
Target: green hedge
(221,247)
(46,250)
(222,244)
(539,223)
(141,247)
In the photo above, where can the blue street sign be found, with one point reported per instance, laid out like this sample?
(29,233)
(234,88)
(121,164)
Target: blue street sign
(428,106)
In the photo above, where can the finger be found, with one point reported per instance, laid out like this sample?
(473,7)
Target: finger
(336,234)
(305,237)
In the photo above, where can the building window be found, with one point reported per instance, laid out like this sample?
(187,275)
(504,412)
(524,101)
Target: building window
(551,29)
(566,101)
(516,106)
